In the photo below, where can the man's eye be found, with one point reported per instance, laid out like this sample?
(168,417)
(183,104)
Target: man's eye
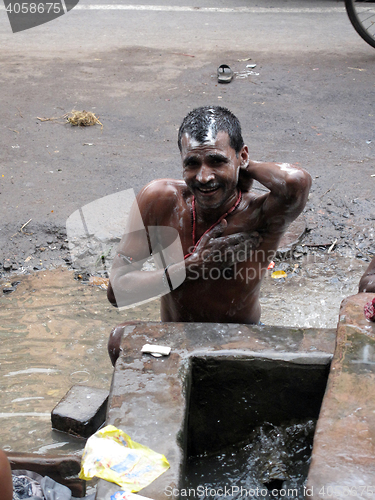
(191,163)
(217,160)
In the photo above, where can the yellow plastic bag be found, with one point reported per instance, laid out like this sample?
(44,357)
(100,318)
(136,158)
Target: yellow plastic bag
(111,454)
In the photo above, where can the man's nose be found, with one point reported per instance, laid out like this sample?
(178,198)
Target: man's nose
(205,174)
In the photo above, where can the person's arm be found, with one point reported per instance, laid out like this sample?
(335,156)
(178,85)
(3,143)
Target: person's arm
(289,187)
(6,483)
(128,284)
(367,282)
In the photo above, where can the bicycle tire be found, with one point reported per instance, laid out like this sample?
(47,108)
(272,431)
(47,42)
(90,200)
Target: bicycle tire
(362,17)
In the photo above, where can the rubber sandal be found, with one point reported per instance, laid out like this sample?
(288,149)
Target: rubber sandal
(224,74)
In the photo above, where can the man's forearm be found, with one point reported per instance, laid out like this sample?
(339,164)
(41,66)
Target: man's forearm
(136,286)
(280,178)
(131,287)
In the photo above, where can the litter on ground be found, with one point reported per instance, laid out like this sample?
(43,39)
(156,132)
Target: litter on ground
(83,118)
(76,118)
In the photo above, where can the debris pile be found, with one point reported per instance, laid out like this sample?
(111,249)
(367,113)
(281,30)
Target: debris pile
(83,118)
(76,118)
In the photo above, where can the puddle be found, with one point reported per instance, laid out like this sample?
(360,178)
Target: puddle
(54,333)
(311,294)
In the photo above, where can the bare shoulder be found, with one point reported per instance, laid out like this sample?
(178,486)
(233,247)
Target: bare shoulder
(161,187)
(367,282)
(160,197)
(161,191)
(287,188)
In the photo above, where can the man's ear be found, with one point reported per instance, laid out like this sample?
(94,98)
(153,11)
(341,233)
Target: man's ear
(244,156)
(245,180)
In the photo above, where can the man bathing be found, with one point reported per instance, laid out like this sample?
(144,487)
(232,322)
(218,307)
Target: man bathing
(228,233)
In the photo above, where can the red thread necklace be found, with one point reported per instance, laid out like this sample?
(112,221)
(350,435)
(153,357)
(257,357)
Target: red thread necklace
(194,222)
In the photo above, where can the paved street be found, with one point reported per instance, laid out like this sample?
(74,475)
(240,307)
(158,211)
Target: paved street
(141,68)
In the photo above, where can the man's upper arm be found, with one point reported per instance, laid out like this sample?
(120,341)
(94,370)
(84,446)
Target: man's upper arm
(286,201)
(132,250)
(135,245)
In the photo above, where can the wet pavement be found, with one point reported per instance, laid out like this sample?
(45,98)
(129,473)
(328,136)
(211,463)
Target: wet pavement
(141,72)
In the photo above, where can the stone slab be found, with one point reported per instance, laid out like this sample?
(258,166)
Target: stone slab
(343,457)
(81,411)
(148,396)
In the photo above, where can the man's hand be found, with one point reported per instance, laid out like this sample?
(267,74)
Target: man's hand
(222,252)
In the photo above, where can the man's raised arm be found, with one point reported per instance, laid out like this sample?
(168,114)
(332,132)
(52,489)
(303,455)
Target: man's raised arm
(289,187)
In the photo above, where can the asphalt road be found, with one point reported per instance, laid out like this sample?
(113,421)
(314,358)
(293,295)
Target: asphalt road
(141,68)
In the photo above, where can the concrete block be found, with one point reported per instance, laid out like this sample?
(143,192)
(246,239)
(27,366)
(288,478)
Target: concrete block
(81,411)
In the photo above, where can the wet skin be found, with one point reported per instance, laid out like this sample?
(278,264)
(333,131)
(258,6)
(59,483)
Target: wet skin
(6,483)
(220,285)
(367,282)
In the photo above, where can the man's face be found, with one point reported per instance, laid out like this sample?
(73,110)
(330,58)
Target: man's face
(211,169)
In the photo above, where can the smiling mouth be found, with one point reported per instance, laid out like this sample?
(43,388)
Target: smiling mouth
(208,190)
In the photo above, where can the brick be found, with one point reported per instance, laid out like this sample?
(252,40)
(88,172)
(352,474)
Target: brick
(81,411)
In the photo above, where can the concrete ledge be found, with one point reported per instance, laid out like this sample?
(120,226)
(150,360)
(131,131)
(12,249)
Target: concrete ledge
(148,396)
(344,444)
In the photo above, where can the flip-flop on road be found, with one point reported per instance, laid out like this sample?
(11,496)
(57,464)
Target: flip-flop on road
(224,74)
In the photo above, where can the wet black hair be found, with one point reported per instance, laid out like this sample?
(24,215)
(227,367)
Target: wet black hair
(198,122)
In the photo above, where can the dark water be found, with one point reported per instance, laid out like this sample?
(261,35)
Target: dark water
(273,464)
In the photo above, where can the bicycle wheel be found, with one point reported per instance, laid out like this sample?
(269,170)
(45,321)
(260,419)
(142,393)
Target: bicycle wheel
(362,16)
